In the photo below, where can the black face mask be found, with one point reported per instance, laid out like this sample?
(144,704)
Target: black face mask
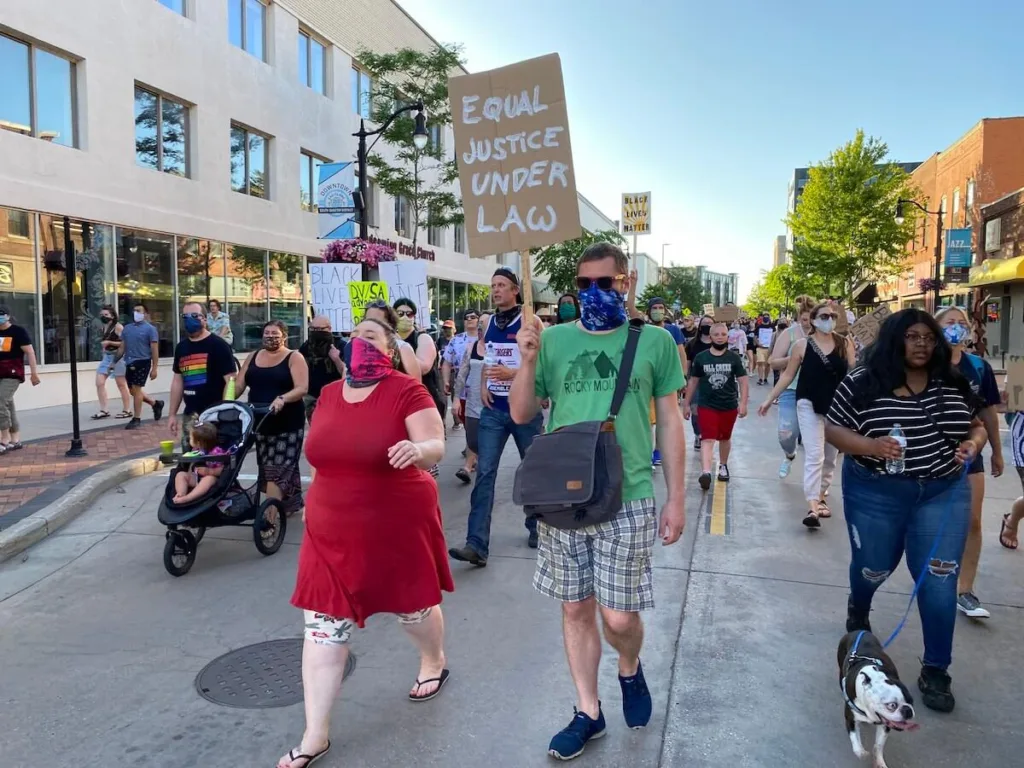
(718,346)
(320,342)
(705,331)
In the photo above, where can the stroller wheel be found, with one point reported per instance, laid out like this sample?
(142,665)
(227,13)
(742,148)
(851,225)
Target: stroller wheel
(179,552)
(269,527)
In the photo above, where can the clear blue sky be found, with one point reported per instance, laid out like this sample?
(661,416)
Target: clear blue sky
(711,105)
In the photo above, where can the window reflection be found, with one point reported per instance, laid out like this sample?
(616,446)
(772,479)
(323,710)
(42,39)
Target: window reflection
(246,295)
(18,269)
(286,293)
(174,132)
(257,166)
(92,286)
(304,59)
(147,152)
(249,162)
(145,272)
(235,22)
(175,5)
(15,102)
(53,99)
(50,81)
(255,15)
(317,66)
(446,309)
(200,270)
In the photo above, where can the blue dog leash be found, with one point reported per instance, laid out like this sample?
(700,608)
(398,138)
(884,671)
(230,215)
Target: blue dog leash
(924,570)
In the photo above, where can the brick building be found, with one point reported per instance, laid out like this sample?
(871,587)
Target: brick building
(982,166)
(999,280)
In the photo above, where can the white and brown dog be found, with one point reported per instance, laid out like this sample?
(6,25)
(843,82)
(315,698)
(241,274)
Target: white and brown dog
(874,693)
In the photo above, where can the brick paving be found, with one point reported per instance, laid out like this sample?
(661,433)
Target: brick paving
(41,465)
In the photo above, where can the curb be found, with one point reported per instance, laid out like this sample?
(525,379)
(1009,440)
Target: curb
(59,513)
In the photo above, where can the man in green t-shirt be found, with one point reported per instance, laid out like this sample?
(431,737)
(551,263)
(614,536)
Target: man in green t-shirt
(605,568)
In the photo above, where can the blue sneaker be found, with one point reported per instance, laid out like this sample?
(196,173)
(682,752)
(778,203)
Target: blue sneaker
(636,699)
(572,740)
(656,458)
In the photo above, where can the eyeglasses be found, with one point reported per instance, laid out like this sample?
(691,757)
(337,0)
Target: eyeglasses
(191,316)
(470,316)
(917,340)
(604,283)
(405,313)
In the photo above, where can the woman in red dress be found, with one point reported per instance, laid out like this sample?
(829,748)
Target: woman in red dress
(374,541)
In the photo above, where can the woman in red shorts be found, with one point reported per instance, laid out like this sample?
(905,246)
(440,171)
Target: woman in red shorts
(722,379)
(373,541)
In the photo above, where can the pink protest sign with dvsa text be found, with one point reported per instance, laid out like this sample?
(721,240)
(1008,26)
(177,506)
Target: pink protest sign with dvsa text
(515,158)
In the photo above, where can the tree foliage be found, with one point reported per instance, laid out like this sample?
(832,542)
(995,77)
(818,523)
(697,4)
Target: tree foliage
(778,288)
(558,262)
(844,228)
(424,177)
(679,286)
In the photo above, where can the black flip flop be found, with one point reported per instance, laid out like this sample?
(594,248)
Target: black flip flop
(811,520)
(463,475)
(1002,531)
(310,759)
(440,684)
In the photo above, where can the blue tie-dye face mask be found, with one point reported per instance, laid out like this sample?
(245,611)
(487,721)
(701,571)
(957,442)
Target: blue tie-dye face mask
(601,310)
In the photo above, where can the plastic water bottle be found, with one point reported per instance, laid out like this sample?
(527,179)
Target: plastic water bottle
(895,466)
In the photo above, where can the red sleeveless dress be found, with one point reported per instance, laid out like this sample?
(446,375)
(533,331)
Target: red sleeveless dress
(374,541)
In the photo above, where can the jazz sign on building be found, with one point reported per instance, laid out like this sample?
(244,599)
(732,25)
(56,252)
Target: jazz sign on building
(515,158)
(958,255)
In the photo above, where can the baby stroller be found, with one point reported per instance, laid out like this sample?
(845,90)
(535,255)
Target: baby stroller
(228,502)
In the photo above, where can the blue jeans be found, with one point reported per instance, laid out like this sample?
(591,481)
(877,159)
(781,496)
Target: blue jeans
(493,432)
(887,515)
(693,416)
(789,427)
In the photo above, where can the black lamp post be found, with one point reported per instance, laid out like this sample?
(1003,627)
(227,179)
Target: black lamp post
(419,139)
(70,270)
(938,243)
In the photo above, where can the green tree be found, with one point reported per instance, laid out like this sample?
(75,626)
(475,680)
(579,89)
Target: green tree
(844,229)
(679,285)
(558,262)
(424,177)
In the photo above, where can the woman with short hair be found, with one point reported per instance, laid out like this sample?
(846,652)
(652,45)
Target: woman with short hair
(111,364)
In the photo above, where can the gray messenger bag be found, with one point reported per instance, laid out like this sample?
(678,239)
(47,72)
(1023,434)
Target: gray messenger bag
(572,477)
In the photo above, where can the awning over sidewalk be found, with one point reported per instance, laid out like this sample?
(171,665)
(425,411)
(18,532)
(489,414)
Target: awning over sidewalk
(997,271)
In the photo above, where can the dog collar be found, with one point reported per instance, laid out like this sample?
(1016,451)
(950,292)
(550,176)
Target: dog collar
(852,660)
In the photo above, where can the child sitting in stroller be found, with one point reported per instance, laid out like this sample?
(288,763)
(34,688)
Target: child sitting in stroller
(193,485)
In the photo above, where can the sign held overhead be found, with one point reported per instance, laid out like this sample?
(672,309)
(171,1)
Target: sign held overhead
(636,213)
(515,158)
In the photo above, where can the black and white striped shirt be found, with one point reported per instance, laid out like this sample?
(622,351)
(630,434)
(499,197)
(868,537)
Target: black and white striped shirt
(931,441)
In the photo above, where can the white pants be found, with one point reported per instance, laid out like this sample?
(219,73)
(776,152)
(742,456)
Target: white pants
(819,456)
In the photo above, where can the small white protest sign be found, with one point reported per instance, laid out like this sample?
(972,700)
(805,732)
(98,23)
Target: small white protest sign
(329,288)
(408,280)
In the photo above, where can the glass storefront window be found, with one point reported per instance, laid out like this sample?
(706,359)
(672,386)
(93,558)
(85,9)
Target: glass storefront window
(93,286)
(432,297)
(246,295)
(18,269)
(200,271)
(145,273)
(444,302)
(286,293)
(459,302)
(479,297)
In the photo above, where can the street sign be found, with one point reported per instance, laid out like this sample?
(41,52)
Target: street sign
(958,255)
(636,213)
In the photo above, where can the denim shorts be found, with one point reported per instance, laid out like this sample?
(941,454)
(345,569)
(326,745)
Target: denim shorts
(110,367)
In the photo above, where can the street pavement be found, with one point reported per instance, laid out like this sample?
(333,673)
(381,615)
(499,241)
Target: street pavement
(100,646)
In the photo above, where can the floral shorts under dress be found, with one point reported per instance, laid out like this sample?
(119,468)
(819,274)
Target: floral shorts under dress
(278,457)
(327,630)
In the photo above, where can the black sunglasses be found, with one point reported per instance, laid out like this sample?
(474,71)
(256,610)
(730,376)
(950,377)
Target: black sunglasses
(604,283)
(192,315)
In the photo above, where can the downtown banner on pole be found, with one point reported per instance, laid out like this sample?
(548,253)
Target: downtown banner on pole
(958,255)
(336,219)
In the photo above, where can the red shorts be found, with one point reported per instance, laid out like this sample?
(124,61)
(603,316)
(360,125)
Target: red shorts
(716,425)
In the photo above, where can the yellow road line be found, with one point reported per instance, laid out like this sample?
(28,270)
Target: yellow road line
(718,508)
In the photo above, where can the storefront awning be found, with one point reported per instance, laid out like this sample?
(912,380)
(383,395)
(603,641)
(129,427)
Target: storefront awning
(997,271)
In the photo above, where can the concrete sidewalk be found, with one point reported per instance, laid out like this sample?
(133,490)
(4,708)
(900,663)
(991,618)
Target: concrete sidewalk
(102,646)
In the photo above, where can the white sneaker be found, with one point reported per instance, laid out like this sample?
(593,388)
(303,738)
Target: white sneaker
(787,464)
(969,605)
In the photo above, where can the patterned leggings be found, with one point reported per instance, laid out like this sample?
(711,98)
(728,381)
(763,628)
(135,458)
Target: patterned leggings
(327,630)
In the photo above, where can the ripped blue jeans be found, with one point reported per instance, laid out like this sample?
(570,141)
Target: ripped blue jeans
(887,515)
(789,427)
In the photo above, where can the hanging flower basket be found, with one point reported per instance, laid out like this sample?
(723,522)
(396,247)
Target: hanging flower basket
(930,284)
(357,252)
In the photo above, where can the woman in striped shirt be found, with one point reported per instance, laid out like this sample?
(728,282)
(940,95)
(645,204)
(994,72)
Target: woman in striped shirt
(908,379)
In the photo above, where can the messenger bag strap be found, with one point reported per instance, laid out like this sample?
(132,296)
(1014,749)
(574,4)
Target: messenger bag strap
(636,327)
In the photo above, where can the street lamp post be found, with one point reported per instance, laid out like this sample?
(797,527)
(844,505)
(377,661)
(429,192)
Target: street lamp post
(663,246)
(938,243)
(419,139)
(70,270)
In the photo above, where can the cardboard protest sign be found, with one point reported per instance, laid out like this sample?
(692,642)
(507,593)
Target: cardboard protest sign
(364,292)
(726,314)
(408,280)
(329,287)
(709,310)
(636,213)
(515,159)
(842,318)
(865,330)
(1014,383)
(764,337)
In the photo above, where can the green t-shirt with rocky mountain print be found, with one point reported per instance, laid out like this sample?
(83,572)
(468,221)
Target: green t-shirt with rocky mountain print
(577,371)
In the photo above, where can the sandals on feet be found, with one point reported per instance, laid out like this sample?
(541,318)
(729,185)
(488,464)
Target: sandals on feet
(440,684)
(823,511)
(1004,533)
(811,520)
(124,415)
(101,415)
(310,759)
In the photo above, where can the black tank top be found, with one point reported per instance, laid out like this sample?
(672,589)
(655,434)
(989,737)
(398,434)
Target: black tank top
(820,374)
(266,384)
(473,354)
(432,378)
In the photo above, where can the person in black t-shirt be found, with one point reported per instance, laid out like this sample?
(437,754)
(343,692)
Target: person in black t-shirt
(203,364)
(701,342)
(324,354)
(15,347)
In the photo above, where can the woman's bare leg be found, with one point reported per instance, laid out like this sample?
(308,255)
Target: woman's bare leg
(101,390)
(426,628)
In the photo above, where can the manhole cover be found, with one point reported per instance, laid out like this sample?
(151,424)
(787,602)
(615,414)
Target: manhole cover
(258,676)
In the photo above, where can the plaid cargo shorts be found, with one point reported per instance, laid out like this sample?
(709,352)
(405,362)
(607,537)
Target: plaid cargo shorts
(610,561)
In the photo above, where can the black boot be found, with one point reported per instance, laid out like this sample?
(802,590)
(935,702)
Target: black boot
(857,618)
(936,689)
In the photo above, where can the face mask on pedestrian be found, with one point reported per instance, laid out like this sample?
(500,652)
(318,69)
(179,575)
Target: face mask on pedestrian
(566,312)
(657,315)
(365,364)
(106,318)
(193,324)
(4,319)
(404,325)
(719,346)
(272,343)
(139,316)
(825,325)
(956,334)
(705,332)
(601,310)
